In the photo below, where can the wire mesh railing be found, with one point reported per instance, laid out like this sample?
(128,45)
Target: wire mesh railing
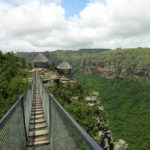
(27,104)
(45,102)
(12,132)
(14,125)
(66,134)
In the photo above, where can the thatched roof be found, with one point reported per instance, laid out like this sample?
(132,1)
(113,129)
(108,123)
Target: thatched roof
(40,58)
(64,66)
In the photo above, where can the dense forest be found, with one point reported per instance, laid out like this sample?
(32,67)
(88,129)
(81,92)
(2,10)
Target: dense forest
(126,104)
(13,80)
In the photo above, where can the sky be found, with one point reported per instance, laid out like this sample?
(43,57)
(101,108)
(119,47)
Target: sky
(47,25)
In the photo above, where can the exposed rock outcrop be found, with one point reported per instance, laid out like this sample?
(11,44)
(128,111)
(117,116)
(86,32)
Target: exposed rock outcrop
(112,69)
(105,138)
(120,145)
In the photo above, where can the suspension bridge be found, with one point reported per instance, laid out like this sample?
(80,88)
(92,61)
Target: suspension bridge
(38,122)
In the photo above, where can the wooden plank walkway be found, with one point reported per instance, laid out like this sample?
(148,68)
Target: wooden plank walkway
(38,132)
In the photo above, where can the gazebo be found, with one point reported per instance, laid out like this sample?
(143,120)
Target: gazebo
(41,61)
(65,68)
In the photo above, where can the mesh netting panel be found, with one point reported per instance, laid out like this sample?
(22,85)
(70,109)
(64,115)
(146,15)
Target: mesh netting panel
(40,86)
(45,103)
(64,135)
(12,133)
(46,106)
(27,101)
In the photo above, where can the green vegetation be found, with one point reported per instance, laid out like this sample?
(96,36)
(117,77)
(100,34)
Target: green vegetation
(85,115)
(53,67)
(12,80)
(127,106)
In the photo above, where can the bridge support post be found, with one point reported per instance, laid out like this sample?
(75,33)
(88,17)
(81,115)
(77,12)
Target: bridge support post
(26,136)
(50,116)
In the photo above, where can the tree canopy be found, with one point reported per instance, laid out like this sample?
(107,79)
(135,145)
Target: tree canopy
(12,80)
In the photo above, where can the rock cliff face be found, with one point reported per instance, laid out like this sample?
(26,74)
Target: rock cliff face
(105,136)
(130,62)
(113,69)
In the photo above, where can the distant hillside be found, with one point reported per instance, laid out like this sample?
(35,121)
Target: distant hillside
(119,63)
(104,63)
(86,50)
(59,55)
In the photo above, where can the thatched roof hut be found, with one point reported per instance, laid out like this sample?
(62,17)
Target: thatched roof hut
(40,58)
(64,66)
(41,61)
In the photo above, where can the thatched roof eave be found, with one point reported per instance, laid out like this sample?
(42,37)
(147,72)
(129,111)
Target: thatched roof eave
(40,58)
(64,66)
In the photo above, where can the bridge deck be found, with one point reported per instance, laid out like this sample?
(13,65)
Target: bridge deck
(38,132)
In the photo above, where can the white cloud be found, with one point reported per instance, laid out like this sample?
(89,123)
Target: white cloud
(41,1)
(41,25)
